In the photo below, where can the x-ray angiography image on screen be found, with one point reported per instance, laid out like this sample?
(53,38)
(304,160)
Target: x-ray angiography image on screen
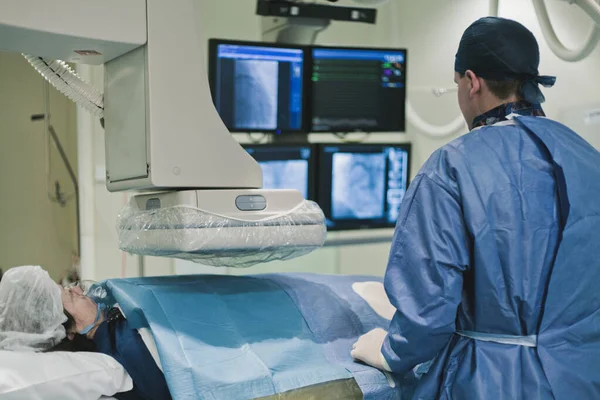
(256,91)
(288,174)
(358,186)
(258,87)
(361,186)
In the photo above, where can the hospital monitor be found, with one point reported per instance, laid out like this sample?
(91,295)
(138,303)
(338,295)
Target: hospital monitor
(257,87)
(361,186)
(358,89)
(286,166)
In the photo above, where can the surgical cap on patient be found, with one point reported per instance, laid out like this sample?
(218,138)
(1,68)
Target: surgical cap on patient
(500,49)
(31,310)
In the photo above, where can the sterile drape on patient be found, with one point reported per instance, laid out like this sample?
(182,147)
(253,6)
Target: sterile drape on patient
(225,337)
(474,251)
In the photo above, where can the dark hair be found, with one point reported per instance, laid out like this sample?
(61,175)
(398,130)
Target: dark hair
(503,89)
(78,343)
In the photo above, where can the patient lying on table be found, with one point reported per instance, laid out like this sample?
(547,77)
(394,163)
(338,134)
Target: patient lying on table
(37,314)
(220,337)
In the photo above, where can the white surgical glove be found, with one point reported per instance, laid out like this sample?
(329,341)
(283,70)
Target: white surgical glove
(368,349)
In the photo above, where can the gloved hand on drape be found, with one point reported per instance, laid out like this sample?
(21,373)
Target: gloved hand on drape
(368,349)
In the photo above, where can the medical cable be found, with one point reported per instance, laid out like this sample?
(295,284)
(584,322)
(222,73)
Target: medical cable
(344,137)
(254,140)
(66,81)
(557,47)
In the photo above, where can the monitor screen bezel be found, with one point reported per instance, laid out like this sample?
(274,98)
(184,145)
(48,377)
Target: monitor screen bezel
(326,179)
(213,45)
(312,162)
(309,60)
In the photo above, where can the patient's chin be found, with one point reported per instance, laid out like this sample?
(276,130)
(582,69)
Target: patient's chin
(374,294)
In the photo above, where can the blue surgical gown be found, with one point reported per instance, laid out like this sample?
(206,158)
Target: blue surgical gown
(118,340)
(499,234)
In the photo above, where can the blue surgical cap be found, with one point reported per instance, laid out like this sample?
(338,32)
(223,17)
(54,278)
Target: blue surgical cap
(501,49)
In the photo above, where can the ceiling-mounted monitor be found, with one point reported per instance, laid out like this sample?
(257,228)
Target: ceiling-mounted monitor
(357,89)
(258,87)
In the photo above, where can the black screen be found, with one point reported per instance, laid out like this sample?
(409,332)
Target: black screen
(358,90)
(362,186)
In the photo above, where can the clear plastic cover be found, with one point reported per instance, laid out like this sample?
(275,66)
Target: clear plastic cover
(197,235)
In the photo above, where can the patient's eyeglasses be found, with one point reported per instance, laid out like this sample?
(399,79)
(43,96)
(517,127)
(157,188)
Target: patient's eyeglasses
(83,285)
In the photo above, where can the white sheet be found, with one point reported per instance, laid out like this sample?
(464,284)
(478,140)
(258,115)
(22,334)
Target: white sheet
(150,343)
(148,340)
(374,294)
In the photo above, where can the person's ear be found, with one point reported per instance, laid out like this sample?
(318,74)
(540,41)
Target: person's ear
(70,335)
(474,83)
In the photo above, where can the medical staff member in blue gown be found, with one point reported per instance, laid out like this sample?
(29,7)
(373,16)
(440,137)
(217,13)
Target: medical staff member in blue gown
(495,267)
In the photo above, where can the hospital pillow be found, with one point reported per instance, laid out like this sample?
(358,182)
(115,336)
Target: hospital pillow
(60,375)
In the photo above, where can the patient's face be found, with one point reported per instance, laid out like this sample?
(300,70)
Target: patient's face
(82,308)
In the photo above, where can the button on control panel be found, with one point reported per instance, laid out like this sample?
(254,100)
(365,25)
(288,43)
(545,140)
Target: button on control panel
(251,203)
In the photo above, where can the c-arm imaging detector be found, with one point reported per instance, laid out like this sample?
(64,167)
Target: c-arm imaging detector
(163,134)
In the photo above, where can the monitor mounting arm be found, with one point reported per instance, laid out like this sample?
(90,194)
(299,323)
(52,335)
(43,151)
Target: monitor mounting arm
(296,22)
